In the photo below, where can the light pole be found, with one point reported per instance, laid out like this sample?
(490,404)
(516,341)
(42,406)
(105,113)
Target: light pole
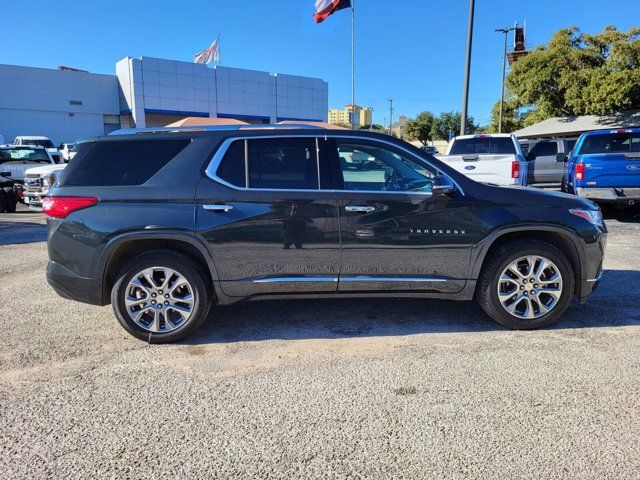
(465,90)
(390,116)
(504,69)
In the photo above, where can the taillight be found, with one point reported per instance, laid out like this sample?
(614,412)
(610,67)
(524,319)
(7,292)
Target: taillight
(579,171)
(60,207)
(515,169)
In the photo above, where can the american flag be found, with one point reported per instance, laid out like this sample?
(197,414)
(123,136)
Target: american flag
(208,55)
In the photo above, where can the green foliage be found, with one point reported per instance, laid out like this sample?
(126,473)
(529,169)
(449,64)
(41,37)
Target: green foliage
(450,122)
(512,118)
(420,129)
(577,74)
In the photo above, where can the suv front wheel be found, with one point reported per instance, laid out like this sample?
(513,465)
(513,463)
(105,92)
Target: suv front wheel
(526,285)
(160,297)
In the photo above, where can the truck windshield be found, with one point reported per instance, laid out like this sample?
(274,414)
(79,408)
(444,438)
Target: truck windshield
(611,143)
(21,155)
(40,143)
(470,146)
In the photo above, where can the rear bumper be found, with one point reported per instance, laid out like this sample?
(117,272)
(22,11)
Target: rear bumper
(622,195)
(69,285)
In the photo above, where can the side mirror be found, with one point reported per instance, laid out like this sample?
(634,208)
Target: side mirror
(442,185)
(530,156)
(561,157)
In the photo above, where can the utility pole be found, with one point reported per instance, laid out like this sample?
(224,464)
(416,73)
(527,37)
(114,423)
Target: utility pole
(505,31)
(371,124)
(467,69)
(353,65)
(390,115)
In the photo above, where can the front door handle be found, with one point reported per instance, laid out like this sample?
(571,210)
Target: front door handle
(218,207)
(359,208)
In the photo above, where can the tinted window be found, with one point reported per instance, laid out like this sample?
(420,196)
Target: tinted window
(286,163)
(232,166)
(611,143)
(120,162)
(23,155)
(544,149)
(470,146)
(570,145)
(366,166)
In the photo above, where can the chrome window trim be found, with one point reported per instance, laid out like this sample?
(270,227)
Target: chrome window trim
(214,164)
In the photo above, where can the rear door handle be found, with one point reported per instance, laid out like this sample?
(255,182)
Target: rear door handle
(359,208)
(218,207)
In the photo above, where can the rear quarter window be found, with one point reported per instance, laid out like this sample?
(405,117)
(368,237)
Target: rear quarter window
(118,163)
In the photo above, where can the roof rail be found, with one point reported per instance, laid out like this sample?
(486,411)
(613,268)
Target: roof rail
(215,128)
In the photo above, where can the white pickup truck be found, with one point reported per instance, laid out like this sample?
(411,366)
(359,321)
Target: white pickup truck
(495,158)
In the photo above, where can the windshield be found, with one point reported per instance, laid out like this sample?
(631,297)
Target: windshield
(611,143)
(23,155)
(479,145)
(40,143)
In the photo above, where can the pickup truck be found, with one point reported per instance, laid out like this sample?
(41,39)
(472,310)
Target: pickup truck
(605,167)
(15,160)
(495,158)
(546,160)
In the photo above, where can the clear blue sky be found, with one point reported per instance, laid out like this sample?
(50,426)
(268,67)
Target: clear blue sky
(408,50)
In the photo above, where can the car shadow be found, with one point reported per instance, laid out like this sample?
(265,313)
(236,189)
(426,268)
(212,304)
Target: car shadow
(19,232)
(623,215)
(612,304)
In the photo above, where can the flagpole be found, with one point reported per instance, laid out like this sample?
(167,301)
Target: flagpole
(219,51)
(353,65)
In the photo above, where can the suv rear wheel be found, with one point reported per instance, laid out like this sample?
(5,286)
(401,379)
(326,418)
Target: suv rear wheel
(526,285)
(11,201)
(160,297)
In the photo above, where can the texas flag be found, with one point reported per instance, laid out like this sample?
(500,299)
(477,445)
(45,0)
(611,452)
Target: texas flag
(324,8)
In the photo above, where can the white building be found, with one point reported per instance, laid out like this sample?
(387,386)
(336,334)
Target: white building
(145,92)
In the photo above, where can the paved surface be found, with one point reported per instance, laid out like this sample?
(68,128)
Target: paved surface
(353,388)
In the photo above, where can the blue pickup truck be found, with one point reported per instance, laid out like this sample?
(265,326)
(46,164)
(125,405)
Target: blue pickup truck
(604,167)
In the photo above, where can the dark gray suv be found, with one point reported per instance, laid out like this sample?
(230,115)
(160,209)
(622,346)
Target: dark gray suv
(166,223)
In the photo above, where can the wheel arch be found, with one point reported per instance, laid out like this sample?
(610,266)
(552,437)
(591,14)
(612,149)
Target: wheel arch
(123,248)
(561,238)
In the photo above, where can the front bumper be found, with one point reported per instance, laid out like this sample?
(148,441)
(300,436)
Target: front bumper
(630,195)
(594,251)
(69,285)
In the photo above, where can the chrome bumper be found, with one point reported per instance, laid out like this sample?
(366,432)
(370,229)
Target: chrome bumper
(610,194)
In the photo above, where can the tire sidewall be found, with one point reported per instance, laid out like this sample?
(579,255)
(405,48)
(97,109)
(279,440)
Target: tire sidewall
(181,265)
(568,284)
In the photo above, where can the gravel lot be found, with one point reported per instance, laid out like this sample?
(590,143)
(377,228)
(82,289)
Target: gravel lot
(349,388)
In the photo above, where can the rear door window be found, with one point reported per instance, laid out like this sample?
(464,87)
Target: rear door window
(283,163)
(611,143)
(482,145)
(117,163)
(545,149)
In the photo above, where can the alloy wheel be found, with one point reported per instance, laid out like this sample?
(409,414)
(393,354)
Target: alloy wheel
(159,299)
(530,287)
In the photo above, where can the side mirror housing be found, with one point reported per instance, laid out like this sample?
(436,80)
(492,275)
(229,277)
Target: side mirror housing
(561,157)
(530,156)
(442,185)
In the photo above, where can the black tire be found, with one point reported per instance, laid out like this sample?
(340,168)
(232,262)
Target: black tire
(487,289)
(184,266)
(11,201)
(3,200)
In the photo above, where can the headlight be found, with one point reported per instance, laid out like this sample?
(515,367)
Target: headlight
(592,216)
(48,181)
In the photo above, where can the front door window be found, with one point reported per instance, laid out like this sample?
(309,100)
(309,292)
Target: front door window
(370,167)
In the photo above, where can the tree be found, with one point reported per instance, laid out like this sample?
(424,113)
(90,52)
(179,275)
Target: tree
(420,129)
(449,122)
(512,118)
(578,74)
